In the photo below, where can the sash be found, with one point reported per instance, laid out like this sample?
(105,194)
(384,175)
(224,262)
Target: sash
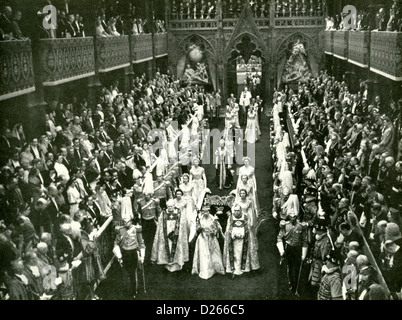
(160,186)
(147,204)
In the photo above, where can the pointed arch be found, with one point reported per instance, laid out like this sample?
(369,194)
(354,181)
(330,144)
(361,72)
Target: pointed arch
(312,48)
(200,40)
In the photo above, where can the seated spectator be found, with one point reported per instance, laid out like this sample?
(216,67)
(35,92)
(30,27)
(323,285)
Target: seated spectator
(6,24)
(16,30)
(100,31)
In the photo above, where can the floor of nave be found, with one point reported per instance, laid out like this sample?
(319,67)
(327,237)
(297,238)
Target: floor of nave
(263,284)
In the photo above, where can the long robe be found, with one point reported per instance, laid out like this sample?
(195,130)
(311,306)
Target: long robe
(170,247)
(240,253)
(207,255)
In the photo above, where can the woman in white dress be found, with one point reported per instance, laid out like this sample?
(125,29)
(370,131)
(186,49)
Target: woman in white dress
(248,170)
(198,179)
(247,207)
(187,189)
(245,184)
(252,133)
(207,255)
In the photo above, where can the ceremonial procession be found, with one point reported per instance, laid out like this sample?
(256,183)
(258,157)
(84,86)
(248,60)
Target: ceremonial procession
(143,160)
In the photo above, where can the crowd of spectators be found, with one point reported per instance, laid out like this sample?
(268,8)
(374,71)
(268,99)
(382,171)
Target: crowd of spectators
(10,24)
(338,169)
(299,8)
(71,25)
(385,19)
(200,9)
(57,190)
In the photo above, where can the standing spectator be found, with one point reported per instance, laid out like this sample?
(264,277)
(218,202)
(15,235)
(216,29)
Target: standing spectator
(331,283)
(15,27)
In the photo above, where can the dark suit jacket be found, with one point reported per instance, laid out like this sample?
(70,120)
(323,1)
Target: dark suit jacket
(63,248)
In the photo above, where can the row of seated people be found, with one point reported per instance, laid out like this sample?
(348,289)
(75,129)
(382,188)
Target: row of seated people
(383,20)
(337,186)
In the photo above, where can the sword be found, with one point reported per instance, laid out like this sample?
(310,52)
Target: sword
(298,280)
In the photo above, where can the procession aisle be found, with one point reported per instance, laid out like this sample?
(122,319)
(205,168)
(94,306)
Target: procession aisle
(262,284)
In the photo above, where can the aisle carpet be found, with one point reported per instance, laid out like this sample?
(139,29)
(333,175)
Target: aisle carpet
(267,283)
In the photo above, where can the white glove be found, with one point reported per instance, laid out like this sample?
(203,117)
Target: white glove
(304,253)
(280,247)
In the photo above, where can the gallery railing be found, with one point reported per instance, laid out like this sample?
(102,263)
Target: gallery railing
(66,59)
(141,47)
(113,53)
(386,54)
(17,76)
(358,48)
(161,45)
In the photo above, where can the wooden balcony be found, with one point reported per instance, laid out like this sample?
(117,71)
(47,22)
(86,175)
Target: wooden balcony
(141,47)
(193,24)
(17,76)
(161,46)
(358,48)
(386,54)
(113,53)
(64,60)
(299,22)
(329,42)
(341,44)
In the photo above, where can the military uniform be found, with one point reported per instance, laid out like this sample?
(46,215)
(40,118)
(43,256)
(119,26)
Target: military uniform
(331,285)
(292,241)
(162,192)
(149,211)
(321,249)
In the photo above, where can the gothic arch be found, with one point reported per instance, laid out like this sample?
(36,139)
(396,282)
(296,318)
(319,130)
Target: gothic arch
(259,44)
(200,40)
(312,48)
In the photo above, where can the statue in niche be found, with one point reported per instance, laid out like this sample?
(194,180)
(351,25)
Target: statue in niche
(296,68)
(195,70)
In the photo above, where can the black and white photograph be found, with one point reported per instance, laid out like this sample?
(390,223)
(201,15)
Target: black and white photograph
(215,152)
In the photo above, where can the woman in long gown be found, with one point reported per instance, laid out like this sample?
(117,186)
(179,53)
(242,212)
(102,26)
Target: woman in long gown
(187,188)
(252,133)
(248,170)
(198,179)
(240,253)
(245,184)
(248,208)
(207,255)
(223,166)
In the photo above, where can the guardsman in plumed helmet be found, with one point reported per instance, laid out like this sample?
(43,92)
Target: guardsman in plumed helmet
(292,244)
(331,282)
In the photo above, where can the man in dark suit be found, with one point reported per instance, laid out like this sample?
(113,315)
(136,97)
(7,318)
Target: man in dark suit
(125,175)
(70,26)
(52,208)
(66,248)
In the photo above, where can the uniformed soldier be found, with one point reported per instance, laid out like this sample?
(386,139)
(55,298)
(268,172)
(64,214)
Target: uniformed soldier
(162,190)
(331,282)
(149,210)
(322,247)
(292,243)
(131,246)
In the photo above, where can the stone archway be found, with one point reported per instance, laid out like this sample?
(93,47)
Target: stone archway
(207,49)
(244,47)
(311,46)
